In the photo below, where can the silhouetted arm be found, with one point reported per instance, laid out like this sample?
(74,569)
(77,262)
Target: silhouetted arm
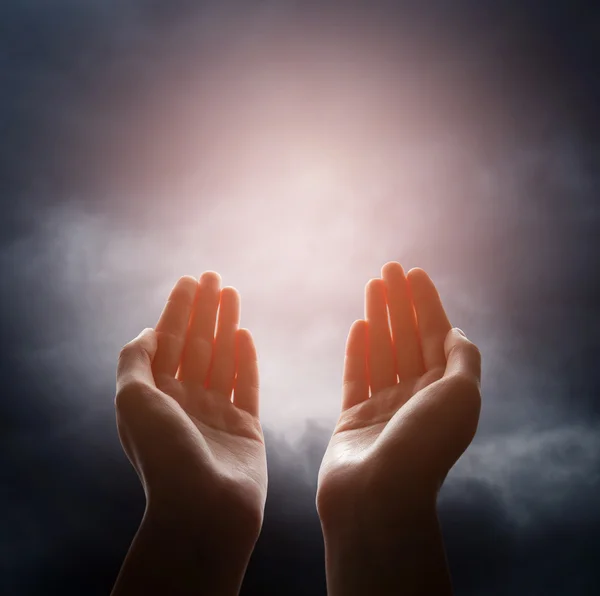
(177,556)
(403,557)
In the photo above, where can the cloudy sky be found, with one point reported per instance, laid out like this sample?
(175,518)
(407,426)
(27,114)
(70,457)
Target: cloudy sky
(295,149)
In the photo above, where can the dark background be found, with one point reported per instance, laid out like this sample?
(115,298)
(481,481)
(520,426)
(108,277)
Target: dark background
(85,91)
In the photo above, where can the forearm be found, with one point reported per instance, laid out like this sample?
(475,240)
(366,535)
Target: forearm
(175,556)
(403,557)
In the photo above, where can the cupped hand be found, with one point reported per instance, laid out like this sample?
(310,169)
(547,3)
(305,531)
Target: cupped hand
(410,405)
(199,453)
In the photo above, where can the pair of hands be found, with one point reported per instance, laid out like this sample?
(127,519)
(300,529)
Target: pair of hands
(410,407)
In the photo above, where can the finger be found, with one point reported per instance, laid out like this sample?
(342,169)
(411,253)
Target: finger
(201,333)
(432,321)
(246,392)
(403,322)
(463,356)
(172,326)
(135,360)
(381,361)
(222,370)
(356,375)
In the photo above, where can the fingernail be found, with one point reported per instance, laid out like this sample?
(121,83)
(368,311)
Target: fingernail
(461,332)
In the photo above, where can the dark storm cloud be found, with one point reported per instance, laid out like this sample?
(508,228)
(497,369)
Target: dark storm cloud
(489,551)
(84,90)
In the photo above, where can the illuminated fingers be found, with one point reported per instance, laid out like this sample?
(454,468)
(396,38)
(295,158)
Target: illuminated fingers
(172,327)
(432,321)
(201,333)
(246,390)
(403,322)
(381,360)
(222,370)
(356,377)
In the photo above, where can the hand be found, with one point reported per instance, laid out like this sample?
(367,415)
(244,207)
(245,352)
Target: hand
(200,455)
(391,450)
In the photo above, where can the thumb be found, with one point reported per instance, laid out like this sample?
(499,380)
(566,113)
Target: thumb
(135,360)
(462,356)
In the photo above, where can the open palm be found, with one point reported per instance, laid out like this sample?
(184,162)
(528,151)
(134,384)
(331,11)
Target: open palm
(192,445)
(407,415)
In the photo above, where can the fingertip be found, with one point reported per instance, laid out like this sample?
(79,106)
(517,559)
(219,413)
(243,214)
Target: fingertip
(392,269)
(186,280)
(455,336)
(148,335)
(375,300)
(416,273)
(374,286)
(358,326)
(355,383)
(146,340)
(210,279)
(246,384)
(150,343)
(356,343)
(145,332)
(462,354)
(187,285)
(420,282)
(244,339)
(136,357)
(230,303)
(451,338)
(230,293)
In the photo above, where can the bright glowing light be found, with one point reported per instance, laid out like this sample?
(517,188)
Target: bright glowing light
(316,178)
(297,198)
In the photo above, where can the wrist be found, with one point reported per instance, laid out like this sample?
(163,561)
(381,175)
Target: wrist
(403,555)
(192,556)
(202,529)
(378,528)
(376,506)
(181,555)
(211,513)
